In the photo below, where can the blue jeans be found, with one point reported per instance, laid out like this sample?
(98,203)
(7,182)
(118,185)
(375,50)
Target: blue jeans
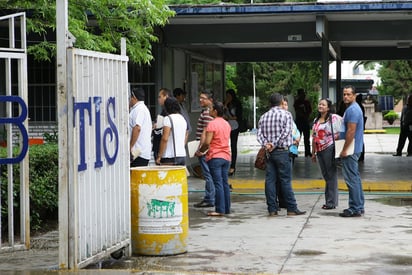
(328,168)
(350,172)
(279,166)
(219,169)
(209,186)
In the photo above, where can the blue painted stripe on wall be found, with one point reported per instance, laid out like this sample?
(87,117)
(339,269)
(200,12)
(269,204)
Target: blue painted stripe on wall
(289,8)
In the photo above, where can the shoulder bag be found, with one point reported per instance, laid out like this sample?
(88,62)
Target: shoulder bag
(261,158)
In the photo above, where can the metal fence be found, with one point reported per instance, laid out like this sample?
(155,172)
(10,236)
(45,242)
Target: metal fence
(98,209)
(14,112)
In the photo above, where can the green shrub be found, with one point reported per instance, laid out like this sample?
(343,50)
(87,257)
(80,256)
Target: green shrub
(43,180)
(51,137)
(390,116)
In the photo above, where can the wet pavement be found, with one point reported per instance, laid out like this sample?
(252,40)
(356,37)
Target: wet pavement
(249,242)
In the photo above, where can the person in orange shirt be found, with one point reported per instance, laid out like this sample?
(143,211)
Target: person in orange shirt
(217,150)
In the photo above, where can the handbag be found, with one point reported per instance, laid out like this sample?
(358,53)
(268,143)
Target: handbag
(334,141)
(261,157)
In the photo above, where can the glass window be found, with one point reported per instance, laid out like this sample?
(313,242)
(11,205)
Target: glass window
(41,90)
(204,75)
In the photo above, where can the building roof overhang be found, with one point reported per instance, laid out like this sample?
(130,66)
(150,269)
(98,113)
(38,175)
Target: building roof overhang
(368,30)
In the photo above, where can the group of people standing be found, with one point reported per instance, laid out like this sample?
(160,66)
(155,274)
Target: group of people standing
(217,127)
(217,132)
(167,137)
(213,134)
(329,127)
(275,134)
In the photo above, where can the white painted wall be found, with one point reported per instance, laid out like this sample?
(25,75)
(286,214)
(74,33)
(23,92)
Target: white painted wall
(348,72)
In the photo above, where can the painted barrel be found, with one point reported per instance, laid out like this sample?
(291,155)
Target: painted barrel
(159,210)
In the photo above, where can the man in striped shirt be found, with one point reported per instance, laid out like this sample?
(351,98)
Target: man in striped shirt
(206,102)
(275,134)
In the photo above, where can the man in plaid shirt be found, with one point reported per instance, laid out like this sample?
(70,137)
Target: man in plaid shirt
(275,134)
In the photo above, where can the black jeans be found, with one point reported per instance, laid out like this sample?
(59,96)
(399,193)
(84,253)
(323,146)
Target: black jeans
(405,133)
(234,134)
(139,162)
(304,129)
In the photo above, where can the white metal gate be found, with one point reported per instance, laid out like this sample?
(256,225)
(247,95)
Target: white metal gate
(98,191)
(14,59)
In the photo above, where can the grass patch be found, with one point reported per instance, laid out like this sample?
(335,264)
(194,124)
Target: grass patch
(393,130)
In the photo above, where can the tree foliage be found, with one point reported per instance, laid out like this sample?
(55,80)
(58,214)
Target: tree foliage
(396,78)
(243,79)
(230,73)
(278,77)
(97,25)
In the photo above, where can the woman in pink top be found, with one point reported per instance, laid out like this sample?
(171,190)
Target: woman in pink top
(218,157)
(325,130)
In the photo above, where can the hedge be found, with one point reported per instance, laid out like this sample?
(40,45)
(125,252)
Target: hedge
(43,180)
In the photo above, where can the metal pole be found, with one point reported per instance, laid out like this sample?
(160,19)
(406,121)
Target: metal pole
(254,98)
(325,68)
(62,41)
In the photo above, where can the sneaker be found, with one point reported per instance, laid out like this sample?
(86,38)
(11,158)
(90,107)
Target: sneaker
(203,204)
(349,214)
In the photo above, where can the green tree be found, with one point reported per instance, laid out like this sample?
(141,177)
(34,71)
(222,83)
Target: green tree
(244,79)
(97,25)
(286,78)
(280,77)
(396,78)
(230,73)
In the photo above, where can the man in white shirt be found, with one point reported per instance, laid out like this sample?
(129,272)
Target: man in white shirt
(140,129)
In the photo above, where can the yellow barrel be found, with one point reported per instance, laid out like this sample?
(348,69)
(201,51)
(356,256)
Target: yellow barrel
(159,210)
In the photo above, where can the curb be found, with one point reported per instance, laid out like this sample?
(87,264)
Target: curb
(304,184)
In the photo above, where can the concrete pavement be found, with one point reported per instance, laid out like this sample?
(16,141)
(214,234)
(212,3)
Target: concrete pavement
(380,171)
(249,242)
(320,242)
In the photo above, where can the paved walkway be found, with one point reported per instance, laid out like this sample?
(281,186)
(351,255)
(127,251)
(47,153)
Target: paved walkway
(320,242)
(380,171)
